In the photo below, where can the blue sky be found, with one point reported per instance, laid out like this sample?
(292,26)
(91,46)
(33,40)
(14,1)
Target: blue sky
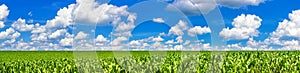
(249,25)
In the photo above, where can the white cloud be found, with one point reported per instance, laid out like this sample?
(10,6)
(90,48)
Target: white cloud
(9,33)
(158,20)
(58,33)
(290,43)
(187,42)
(2,24)
(91,12)
(3,14)
(12,38)
(197,30)
(207,45)
(289,28)
(252,43)
(118,41)
(124,29)
(22,45)
(11,41)
(196,7)
(63,18)
(81,35)
(66,42)
(178,47)
(235,46)
(178,28)
(21,25)
(38,29)
(3,11)
(15,35)
(141,44)
(135,43)
(82,12)
(255,45)
(39,37)
(101,38)
(171,42)
(157,39)
(199,46)
(244,27)
(238,3)
(179,39)
(157,45)
(53,28)
(122,34)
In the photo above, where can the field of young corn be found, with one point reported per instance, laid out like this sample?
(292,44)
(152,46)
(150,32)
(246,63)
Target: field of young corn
(64,62)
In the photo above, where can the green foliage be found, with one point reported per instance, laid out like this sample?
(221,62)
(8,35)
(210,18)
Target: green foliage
(199,62)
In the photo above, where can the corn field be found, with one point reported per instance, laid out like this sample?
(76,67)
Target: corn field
(234,61)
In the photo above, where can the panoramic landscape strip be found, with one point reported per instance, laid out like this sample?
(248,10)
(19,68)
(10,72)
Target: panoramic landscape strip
(149,36)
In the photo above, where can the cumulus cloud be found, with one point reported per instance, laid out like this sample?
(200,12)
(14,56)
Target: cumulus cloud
(3,11)
(158,20)
(39,37)
(252,43)
(9,36)
(53,29)
(38,29)
(179,39)
(199,46)
(21,25)
(123,29)
(135,43)
(2,24)
(63,18)
(196,7)
(58,33)
(157,45)
(101,38)
(81,35)
(178,47)
(3,14)
(197,30)
(141,44)
(91,12)
(179,28)
(39,33)
(118,41)
(171,42)
(9,33)
(16,35)
(83,12)
(238,3)
(157,39)
(22,45)
(289,28)
(66,42)
(290,45)
(244,27)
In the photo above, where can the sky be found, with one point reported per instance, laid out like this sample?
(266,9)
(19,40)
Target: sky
(149,25)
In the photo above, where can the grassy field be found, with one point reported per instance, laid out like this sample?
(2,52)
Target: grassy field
(174,61)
